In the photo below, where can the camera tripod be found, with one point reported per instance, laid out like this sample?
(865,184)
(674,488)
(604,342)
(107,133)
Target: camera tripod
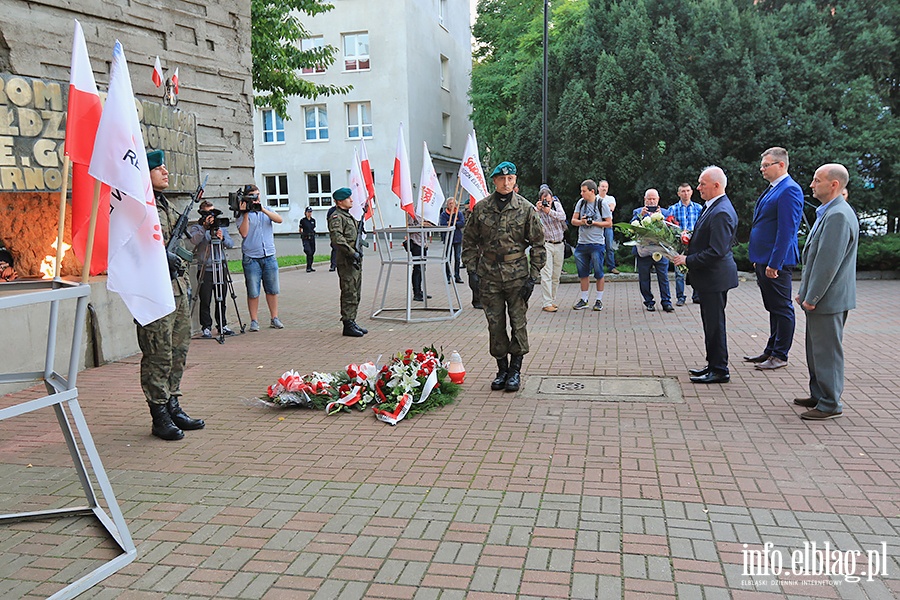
(221,280)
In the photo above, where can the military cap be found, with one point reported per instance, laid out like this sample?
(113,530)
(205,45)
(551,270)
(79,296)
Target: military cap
(341,194)
(308,209)
(504,168)
(155,158)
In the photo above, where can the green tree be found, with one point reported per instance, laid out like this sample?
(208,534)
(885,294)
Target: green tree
(276,34)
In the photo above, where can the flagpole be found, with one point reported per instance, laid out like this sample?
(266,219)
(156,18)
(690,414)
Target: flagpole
(456,213)
(62,217)
(92,230)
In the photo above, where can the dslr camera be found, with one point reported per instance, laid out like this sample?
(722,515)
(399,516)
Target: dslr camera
(243,195)
(545,203)
(211,220)
(589,220)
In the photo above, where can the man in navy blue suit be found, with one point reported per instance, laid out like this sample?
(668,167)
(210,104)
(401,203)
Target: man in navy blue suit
(773,252)
(712,271)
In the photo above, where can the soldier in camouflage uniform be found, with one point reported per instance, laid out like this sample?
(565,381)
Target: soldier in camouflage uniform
(343,229)
(496,236)
(164,342)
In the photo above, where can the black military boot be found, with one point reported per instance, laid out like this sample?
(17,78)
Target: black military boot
(163,427)
(351,331)
(360,327)
(515,368)
(502,367)
(180,418)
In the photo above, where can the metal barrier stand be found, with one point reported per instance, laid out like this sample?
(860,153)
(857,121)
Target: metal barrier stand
(442,312)
(62,395)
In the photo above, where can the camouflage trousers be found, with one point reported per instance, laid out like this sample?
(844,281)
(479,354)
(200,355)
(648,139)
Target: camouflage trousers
(350,278)
(500,299)
(164,344)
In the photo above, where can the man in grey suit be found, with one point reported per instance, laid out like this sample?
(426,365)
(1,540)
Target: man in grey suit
(828,292)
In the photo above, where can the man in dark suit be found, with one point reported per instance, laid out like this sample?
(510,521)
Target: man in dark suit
(828,292)
(773,251)
(712,271)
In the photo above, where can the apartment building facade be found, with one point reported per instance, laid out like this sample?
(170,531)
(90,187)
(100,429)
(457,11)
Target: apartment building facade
(409,62)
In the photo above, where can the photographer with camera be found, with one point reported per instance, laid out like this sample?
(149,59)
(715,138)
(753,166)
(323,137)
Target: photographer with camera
(553,219)
(259,262)
(209,227)
(644,263)
(164,342)
(591,216)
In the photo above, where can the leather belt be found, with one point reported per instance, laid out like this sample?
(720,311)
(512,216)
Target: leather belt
(492,256)
(552,242)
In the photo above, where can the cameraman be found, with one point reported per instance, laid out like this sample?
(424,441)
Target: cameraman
(591,216)
(553,219)
(258,248)
(645,263)
(202,233)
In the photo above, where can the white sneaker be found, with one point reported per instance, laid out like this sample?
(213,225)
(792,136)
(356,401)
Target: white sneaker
(206,333)
(254,325)
(276,323)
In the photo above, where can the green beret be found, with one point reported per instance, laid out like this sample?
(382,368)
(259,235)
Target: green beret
(341,194)
(155,158)
(504,168)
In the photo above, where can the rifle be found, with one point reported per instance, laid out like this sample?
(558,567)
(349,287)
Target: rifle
(360,242)
(176,253)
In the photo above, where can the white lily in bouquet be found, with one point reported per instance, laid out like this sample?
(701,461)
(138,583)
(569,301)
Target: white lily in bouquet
(656,236)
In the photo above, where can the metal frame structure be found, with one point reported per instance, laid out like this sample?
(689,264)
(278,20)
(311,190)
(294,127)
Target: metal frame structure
(62,395)
(383,243)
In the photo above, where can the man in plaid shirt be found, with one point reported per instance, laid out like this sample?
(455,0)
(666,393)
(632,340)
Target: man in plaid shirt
(685,214)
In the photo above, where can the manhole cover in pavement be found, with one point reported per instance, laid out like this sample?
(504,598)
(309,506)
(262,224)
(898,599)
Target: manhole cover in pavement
(603,389)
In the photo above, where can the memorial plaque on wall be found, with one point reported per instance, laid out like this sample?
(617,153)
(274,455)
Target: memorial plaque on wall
(32,136)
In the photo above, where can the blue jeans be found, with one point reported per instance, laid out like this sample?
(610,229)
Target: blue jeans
(679,288)
(610,253)
(260,269)
(589,257)
(662,277)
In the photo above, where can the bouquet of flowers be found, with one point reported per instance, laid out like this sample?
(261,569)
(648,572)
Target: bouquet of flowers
(656,236)
(411,383)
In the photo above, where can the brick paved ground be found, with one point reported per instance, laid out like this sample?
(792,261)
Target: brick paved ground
(497,496)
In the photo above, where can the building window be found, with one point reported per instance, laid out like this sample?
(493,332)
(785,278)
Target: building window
(446,130)
(445,72)
(313,43)
(316,122)
(443,13)
(277,191)
(318,188)
(273,127)
(359,120)
(356,51)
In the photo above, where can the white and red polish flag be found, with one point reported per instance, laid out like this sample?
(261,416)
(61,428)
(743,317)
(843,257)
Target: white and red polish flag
(82,117)
(175,80)
(357,189)
(157,73)
(401,184)
(367,177)
(431,196)
(138,270)
(471,177)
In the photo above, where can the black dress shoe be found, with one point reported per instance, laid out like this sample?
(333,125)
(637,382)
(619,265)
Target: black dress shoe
(699,372)
(757,359)
(806,402)
(651,308)
(418,298)
(712,377)
(668,308)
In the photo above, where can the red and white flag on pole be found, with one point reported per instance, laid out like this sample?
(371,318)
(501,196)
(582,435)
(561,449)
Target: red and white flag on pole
(431,196)
(471,177)
(367,177)
(138,270)
(157,73)
(175,80)
(82,118)
(357,189)
(401,184)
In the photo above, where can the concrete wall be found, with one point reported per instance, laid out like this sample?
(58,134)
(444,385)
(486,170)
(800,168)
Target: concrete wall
(406,41)
(209,43)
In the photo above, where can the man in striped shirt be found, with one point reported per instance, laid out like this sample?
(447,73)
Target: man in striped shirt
(553,219)
(686,213)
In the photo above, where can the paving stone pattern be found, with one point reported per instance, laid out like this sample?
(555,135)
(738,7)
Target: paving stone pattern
(496,496)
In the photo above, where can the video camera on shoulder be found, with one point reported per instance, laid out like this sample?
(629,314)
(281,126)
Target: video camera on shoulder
(248,194)
(211,220)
